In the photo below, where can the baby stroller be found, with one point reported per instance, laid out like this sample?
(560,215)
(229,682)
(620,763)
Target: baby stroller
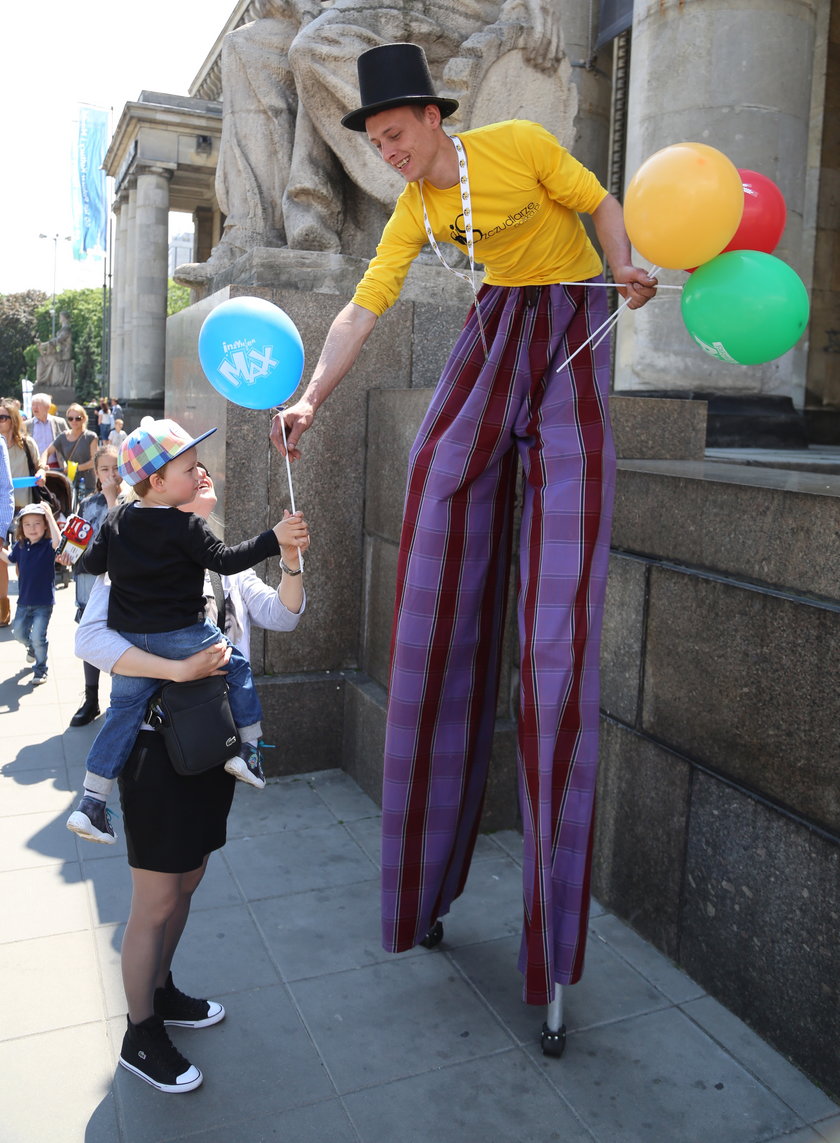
(61,488)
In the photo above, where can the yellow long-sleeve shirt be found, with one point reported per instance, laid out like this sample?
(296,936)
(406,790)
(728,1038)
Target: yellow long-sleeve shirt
(526,193)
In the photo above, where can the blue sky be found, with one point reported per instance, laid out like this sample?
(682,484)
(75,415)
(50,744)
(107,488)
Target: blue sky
(57,56)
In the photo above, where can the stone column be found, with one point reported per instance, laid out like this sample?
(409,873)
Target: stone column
(127,288)
(145,376)
(117,366)
(737,77)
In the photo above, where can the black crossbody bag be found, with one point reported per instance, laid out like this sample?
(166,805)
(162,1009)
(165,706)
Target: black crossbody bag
(195,719)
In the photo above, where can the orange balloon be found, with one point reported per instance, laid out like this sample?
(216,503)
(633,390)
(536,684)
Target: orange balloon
(683,205)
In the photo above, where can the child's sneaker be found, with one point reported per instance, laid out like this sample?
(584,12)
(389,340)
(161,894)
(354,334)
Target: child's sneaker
(175,1007)
(38,678)
(150,1054)
(91,819)
(248,766)
(30,655)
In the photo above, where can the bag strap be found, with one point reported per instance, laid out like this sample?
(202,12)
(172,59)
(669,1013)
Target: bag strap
(221,603)
(30,462)
(75,446)
(154,715)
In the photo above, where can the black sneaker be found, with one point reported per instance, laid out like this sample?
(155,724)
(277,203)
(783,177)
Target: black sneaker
(30,655)
(150,1054)
(247,766)
(91,819)
(175,1007)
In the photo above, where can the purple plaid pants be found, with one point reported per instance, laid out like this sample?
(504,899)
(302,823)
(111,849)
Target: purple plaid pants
(488,413)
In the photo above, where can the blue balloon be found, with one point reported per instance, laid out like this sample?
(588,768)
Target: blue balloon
(251,352)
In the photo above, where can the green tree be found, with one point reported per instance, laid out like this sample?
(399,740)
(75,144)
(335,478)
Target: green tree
(177,298)
(17,331)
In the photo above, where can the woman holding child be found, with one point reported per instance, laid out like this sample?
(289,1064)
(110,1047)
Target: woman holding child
(173,823)
(156,558)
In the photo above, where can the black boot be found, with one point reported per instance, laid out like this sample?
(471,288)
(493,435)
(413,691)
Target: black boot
(89,710)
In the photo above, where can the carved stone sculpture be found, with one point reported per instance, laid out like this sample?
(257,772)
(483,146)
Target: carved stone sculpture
(55,359)
(323,58)
(289,173)
(258,129)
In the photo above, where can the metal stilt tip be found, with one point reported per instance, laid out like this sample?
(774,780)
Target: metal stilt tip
(553,1043)
(434,936)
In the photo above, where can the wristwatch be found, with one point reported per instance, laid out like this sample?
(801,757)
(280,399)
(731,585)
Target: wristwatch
(284,567)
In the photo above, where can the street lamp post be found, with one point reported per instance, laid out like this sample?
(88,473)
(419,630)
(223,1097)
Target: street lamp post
(54,238)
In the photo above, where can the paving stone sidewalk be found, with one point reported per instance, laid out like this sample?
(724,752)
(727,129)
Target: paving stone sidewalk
(328,1039)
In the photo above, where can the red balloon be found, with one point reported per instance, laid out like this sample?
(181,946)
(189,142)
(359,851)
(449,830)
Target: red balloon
(764,215)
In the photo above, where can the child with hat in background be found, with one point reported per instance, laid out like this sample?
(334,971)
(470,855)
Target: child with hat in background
(156,557)
(36,538)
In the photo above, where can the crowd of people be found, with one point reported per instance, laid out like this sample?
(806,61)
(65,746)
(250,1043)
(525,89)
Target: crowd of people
(53,465)
(50,461)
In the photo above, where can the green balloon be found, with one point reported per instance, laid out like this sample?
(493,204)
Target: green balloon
(745,307)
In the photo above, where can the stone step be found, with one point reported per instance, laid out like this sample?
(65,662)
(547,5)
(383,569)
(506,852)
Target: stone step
(773,527)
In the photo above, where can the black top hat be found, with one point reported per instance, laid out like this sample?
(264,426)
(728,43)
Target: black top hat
(393,75)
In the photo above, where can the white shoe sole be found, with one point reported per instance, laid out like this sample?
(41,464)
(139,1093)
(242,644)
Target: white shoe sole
(237,767)
(191,1079)
(215,1015)
(81,824)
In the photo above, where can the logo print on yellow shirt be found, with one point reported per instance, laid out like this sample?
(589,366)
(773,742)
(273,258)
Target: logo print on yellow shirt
(457,232)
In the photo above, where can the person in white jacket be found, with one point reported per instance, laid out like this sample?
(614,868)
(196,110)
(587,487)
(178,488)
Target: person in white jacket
(173,823)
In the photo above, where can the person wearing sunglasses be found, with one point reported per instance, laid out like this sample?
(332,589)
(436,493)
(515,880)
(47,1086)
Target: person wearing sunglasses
(76,447)
(22,450)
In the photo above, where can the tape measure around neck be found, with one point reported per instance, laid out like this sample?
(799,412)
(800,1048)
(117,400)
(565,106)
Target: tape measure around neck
(466,211)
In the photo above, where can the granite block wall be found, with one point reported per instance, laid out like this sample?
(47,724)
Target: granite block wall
(718,832)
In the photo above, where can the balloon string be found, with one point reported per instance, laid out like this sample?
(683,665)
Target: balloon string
(610,285)
(289,475)
(605,327)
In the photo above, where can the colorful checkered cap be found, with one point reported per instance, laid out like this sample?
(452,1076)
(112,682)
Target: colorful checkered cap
(151,446)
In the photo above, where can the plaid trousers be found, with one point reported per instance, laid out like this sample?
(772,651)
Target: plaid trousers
(455,553)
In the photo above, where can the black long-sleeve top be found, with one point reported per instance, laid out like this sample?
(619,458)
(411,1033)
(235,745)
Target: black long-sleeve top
(156,558)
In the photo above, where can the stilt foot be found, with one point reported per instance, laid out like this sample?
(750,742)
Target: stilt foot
(434,936)
(553,1043)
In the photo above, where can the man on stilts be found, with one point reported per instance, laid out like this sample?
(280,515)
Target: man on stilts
(526,381)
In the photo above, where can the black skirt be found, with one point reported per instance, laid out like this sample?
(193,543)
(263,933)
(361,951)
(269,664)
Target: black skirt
(171,822)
